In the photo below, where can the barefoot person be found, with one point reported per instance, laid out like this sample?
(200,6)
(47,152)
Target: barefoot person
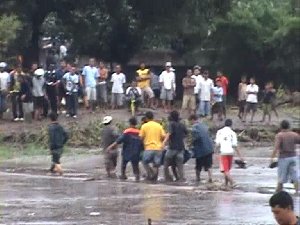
(188,101)
(268,96)
(132,148)
(152,134)
(57,139)
(226,141)
(282,206)
(242,96)
(285,148)
(143,77)
(108,136)
(202,147)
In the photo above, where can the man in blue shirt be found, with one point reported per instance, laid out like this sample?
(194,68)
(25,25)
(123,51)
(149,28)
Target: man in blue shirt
(132,148)
(202,147)
(90,75)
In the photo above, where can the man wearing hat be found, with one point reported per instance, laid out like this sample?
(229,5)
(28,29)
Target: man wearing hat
(108,137)
(4,87)
(167,80)
(38,92)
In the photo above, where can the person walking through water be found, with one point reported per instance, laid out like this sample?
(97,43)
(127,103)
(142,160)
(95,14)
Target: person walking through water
(57,139)
(285,148)
(152,134)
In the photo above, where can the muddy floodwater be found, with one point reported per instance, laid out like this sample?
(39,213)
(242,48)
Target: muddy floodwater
(29,196)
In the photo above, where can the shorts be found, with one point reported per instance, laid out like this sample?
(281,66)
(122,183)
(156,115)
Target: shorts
(148,91)
(267,107)
(225,163)
(251,107)
(217,107)
(91,93)
(117,98)
(156,93)
(204,162)
(152,156)
(38,102)
(102,93)
(242,105)
(61,90)
(110,160)
(166,94)
(287,169)
(189,102)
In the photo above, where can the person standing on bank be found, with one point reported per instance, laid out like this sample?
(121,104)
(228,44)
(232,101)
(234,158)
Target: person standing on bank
(285,147)
(224,84)
(242,96)
(202,148)
(188,101)
(168,83)
(57,139)
(205,94)
(89,79)
(4,87)
(251,101)
(71,81)
(38,92)
(118,80)
(174,156)
(102,86)
(143,78)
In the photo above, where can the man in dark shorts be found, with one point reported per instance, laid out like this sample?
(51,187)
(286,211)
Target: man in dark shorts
(251,101)
(202,147)
(283,209)
(285,148)
(38,92)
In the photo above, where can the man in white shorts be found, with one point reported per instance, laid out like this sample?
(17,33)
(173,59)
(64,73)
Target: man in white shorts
(168,83)
(118,79)
(143,78)
(90,75)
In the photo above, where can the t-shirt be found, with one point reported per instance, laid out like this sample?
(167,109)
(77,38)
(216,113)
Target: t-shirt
(118,80)
(90,76)
(285,143)
(168,80)
(268,96)
(252,98)
(198,79)
(224,83)
(188,84)
(242,94)
(134,92)
(152,134)
(226,138)
(155,82)
(177,133)
(132,144)
(218,94)
(202,143)
(143,73)
(38,86)
(108,136)
(205,88)
(71,82)
(4,81)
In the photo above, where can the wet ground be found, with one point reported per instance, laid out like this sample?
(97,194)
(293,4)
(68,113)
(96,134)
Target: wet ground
(29,196)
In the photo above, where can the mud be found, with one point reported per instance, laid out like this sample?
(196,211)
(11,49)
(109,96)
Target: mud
(29,196)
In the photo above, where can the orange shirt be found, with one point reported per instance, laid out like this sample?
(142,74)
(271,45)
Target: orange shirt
(224,83)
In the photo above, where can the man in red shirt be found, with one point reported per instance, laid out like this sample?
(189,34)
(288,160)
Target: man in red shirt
(224,84)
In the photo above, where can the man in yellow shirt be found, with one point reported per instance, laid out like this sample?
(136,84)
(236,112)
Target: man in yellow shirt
(152,134)
(143,77)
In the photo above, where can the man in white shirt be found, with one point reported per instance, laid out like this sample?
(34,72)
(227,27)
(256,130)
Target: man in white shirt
(251,101)
(226,141)
(168,83)
(38,92)
(89,79)
(118,79)
(198,77)
(205,94)
(4,87)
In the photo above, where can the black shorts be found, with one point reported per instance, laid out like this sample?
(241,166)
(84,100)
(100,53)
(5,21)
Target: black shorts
(204,162)
(38,102)
(156,93)
(251,107)
(242,104)
(217,107)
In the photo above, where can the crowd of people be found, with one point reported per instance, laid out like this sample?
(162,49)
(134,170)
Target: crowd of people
(41,91)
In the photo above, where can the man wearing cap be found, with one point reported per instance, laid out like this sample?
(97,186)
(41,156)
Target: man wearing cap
(38,92)
(143,78)
(168,83)
(4,87)
(108,137)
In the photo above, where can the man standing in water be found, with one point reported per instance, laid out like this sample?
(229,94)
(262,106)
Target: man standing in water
(285,148)
(226,139)
(152,134)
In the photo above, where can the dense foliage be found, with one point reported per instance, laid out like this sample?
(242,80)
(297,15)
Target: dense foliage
(256,37)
